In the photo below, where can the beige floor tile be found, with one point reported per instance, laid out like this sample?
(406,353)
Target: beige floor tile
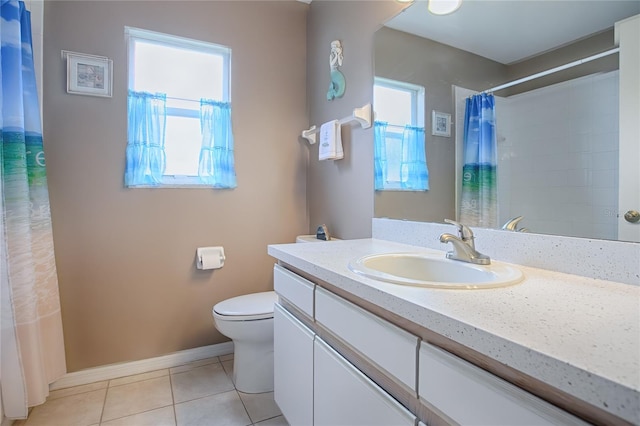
(159,417)
(228,368)
(260,406)
(224,409)
(138,377)
(227,357)
(82,409)
(276,421)
(61,393)
(137,397)
(200,382)
(194,364)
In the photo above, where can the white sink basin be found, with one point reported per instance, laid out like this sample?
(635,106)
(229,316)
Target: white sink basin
(422,270)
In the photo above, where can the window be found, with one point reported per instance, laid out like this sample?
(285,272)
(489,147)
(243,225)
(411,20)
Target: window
(181,78)
(399,108)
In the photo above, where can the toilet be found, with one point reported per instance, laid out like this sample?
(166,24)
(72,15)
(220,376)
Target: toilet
(248,321)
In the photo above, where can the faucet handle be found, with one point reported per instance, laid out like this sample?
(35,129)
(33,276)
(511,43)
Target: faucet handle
(464,231)
(512,224)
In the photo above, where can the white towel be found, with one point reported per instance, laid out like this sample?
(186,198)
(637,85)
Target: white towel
(330,141)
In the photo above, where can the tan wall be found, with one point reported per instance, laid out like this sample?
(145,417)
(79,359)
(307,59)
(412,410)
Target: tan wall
(581,49)
(128,283)
(340,193)
(436,67)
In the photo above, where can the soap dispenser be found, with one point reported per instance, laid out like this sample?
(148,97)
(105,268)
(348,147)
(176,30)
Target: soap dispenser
(323,233)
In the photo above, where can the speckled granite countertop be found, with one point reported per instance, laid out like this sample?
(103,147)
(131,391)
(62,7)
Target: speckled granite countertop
(580,335)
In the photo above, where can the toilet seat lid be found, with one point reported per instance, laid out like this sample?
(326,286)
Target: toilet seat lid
(249,306)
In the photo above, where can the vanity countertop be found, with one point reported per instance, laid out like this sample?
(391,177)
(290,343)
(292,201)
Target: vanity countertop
(579,335)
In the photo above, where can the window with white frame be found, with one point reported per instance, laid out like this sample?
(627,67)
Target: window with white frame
(398,104)
(186,71)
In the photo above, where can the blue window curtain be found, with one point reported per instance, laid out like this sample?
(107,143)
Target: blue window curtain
(479,206)
(414,175)
(380,154)
(146,158)
(216,166)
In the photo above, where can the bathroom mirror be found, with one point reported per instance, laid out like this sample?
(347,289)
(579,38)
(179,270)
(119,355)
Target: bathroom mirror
(572,186)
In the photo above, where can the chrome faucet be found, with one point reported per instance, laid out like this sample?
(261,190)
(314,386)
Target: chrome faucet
(464,248)
(512,225)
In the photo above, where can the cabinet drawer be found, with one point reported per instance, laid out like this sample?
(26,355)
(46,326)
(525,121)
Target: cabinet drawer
(294,288)
(345,396)
(386,345)
(470,395)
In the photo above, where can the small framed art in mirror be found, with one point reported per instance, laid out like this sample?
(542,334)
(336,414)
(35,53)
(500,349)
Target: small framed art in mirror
(441,124)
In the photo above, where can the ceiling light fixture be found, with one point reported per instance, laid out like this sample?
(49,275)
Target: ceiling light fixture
(444,7)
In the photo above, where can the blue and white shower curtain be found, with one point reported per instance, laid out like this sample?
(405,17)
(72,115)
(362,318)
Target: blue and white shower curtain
(479,203)
(32,343)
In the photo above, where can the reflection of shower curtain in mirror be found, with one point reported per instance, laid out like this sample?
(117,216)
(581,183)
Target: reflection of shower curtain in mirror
(479,204)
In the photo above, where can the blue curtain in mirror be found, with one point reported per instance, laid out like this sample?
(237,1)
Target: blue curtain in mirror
(216,165)
(146,158)
(379,154)
(400,160)
(414,175)
(479,202)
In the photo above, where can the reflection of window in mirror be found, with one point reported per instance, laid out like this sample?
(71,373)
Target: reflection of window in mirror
(398,104)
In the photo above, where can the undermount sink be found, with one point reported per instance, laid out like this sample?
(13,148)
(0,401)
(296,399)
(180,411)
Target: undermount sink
(421,270)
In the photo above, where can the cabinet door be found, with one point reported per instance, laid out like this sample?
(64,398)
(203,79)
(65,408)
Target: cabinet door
(293,367)
(345,396)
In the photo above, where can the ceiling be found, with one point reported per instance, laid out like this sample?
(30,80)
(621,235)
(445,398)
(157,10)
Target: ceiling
(509,31)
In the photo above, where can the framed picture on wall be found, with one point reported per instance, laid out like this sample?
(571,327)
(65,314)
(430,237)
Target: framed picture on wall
(440,124)
(88,74)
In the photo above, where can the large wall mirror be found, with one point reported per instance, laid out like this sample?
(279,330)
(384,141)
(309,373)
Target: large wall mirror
(557,135)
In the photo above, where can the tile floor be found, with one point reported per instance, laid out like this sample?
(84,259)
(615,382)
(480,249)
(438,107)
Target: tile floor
(197,394)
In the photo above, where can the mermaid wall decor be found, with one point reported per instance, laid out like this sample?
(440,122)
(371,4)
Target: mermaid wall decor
(338,83)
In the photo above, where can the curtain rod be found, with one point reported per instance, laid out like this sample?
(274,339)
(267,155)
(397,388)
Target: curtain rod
(553,70)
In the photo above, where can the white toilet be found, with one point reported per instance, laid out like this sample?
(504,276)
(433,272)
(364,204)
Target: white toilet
(248,321)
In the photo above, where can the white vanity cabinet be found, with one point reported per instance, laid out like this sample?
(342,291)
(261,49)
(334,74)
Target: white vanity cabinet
(315,329)
(444,355)
(345,396)
(469,395)
(314,384)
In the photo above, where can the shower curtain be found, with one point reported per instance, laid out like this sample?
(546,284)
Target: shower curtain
(32,348)
(479,204)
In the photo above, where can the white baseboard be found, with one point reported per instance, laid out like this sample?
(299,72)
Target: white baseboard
(113,371)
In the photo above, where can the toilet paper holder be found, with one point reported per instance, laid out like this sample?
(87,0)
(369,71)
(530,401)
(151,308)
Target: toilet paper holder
(210,257)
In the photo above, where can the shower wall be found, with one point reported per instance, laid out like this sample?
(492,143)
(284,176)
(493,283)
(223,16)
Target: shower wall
(558,157)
